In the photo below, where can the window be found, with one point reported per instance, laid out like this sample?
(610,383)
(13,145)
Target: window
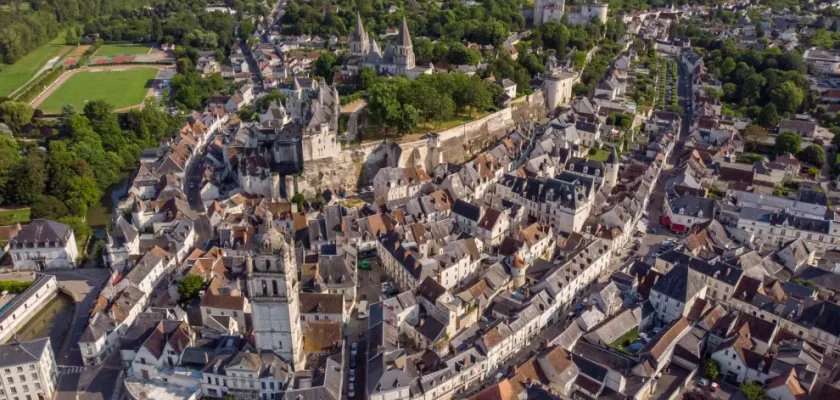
(34,376)
(10,380)
(37,386)
(20,369)
(31,366)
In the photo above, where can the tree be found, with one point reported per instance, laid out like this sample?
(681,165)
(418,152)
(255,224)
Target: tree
(408,120)
(769,117)
(813,154)
(579,59)
(787,97)
(299,200)
(274,96)
(755,133)
(324,66)
(80,229)
(189,287)
(16,114)
(30,178)
(788,142)
(48,207)
(753,391)
(367,77)
(711,369)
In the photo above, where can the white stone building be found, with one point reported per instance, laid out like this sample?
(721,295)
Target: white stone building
(44,244)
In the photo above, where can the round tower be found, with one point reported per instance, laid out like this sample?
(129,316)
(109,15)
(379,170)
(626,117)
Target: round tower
(611,170)
(600,10)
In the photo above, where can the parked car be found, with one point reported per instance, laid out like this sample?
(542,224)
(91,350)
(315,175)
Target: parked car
(352,393)
(703,382)
(352,375)
(714,386)
(354,349)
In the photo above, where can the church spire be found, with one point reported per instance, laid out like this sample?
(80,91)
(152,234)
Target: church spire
(404,39)
(359,32)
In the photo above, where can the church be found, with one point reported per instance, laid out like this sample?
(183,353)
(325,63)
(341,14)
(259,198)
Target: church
(397,59)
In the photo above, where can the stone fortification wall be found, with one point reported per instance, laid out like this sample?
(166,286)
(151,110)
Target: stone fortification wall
(356,166)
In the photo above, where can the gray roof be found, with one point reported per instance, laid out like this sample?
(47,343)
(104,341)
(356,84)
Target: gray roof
(13,354)
(679,284)
(42,231)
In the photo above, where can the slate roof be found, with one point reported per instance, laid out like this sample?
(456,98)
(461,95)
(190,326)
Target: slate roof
(679,284)
(14,354)
(467,210)
(41,231)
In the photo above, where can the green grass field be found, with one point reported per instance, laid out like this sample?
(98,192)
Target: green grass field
(111,50)
(120,88)
(15,75)
(11,216)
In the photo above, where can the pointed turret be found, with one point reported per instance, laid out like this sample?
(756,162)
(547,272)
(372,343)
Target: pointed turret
(613,158)
(404,39)
(359,33)
(359,41)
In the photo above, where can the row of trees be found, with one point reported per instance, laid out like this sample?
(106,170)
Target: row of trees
(23,29)
(84,155)
(400,104)
(487,23)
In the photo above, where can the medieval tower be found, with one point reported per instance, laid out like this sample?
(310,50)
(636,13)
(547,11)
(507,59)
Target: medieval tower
(273,288)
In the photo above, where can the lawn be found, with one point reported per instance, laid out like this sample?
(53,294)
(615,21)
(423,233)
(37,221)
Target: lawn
(12,216)
(121,89)
(111,50)
(600,155)
(625,340)
(15,75)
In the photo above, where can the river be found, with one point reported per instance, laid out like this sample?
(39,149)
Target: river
(99,215)
(53,320)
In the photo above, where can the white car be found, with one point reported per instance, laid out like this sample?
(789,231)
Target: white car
(354,349)
(352,375)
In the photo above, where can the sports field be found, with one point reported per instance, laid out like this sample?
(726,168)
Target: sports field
(111,50)
(15,75)
(120,87)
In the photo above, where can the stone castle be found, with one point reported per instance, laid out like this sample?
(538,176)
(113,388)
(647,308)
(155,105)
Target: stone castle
(285,138)
(553,10)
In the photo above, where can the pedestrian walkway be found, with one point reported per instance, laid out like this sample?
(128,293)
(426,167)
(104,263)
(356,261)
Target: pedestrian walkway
(65,370)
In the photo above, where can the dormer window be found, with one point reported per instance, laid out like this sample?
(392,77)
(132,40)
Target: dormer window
(682,211)
(597,172)
(585,169)
(700,213)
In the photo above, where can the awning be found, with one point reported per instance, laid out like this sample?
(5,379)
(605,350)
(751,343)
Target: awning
(665,220)
(678,228)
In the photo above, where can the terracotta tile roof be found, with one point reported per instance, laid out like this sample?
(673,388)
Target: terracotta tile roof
(791,382)
(668,338)
(526,373)
(501,391)
(321,336)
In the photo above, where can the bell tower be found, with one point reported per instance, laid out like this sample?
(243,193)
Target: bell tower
(273,288)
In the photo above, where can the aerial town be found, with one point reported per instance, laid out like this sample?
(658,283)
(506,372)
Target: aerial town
(417,200)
